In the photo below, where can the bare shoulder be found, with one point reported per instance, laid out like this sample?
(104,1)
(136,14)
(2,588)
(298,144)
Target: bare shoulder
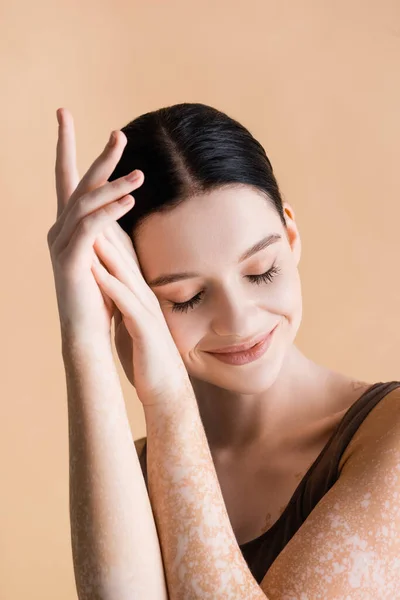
(346,391)
(381,426)
(350,541)
(384,416)
(359,388)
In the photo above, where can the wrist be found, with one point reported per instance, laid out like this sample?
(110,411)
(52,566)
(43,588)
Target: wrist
(84,341)
(174,398)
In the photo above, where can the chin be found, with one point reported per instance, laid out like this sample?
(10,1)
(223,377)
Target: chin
(259,382)
(246,379)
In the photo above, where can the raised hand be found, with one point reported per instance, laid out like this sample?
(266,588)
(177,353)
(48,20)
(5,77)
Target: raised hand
(88,292)
(85,209)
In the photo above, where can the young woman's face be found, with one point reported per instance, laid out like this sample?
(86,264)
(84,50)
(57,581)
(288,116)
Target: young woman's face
(225,303)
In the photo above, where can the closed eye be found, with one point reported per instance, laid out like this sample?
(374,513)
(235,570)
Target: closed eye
(266,277)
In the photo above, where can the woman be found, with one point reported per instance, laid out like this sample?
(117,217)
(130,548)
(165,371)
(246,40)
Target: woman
(260,466)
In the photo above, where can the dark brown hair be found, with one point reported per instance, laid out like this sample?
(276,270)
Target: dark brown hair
(189,149)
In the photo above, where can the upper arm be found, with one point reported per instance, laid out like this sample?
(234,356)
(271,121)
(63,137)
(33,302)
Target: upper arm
(349,546)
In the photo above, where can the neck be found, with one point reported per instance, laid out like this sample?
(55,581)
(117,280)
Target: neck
(235,421)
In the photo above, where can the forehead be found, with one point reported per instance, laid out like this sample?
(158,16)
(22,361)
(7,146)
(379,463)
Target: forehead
(230,218)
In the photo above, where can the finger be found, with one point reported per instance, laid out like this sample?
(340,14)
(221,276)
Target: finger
(78,241)
(106,162)
(97,260)
(126,302)
(103,201)
(114,235)
(115,264)
(107,301)
(124,270)
(101,169)
(108,238)
(121,240)
(123,264)
(66,171)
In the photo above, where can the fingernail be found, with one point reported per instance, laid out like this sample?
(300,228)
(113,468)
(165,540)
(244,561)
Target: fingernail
(113,139)
(126,200)
(133,176)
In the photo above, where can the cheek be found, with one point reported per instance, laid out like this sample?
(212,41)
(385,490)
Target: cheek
(185,337)
(284,295)
(291,302)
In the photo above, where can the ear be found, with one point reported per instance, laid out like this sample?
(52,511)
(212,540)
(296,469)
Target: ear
(292,231)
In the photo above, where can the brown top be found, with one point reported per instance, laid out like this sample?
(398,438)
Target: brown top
(261,552)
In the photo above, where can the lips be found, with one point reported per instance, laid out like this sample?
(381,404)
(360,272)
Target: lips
(242,347)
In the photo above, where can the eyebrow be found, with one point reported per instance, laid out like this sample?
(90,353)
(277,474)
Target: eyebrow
(165,279)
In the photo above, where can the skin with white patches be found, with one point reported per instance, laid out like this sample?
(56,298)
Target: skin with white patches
(262,481)
(349,546)
(228,412)
(201,556)
(357,521)
(116,552)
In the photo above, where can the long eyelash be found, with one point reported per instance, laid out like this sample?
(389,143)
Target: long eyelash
(266,277)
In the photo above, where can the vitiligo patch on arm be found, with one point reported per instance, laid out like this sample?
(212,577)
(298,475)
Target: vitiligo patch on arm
(349,546)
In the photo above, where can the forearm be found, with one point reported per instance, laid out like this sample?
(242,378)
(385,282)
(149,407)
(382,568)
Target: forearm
(115,546)
(202,558)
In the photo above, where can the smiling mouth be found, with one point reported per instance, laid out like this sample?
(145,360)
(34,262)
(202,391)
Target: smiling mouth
(244,347)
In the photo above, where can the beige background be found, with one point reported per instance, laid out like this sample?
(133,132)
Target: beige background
(318,83)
